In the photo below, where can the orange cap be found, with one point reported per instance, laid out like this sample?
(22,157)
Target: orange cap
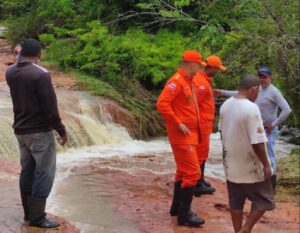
(215,61)
(193,56)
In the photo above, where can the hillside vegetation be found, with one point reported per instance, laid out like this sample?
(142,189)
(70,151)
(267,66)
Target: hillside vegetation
(132,47)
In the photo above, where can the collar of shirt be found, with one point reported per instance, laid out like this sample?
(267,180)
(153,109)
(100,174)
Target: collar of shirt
(206,77)
(184,75)
(182,72)
(21,64)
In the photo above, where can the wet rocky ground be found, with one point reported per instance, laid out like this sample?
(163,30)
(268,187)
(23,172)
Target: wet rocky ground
(103,195)
(11,212)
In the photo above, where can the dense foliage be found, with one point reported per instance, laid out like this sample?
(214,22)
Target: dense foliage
(137,44)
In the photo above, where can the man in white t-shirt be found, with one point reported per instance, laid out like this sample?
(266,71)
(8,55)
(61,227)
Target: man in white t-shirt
(246,163)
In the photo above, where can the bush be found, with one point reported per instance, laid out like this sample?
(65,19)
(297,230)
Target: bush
(136,55)
(245,34)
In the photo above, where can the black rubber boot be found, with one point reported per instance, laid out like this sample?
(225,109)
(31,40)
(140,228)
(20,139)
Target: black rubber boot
(176,199)
(274,182)
(202,167)
(207,183)
(185,217)
(37,215)
(24,199)
(202,187)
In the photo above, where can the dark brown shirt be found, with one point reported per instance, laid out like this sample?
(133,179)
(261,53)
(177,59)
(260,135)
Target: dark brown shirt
(34,100)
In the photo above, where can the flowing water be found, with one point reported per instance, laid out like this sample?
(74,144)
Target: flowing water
(85,117)
(93,135)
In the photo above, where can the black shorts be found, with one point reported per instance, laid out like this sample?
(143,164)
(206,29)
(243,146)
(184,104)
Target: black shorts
(261,194)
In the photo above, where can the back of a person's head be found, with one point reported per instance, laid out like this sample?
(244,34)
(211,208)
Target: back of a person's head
(248,81)
(31,48)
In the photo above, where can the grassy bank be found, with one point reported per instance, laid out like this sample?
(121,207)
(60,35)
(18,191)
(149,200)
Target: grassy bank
(139,102)
(289,177)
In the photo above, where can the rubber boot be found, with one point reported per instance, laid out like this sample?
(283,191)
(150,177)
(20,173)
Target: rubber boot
(37,215)
(24,199)
(202,167)
(201,187)
(185,217)
(211,189)
(207,183)
(274,182)
(176,199)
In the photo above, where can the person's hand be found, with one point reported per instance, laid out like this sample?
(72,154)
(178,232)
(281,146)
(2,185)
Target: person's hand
(267,172)
(217,92)
(269,129)
(63,139)
(183,129)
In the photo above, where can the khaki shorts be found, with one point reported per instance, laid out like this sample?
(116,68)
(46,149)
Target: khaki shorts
(261,194)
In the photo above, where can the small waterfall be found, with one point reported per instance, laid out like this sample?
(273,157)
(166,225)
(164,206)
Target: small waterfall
(85,117)
(8,142)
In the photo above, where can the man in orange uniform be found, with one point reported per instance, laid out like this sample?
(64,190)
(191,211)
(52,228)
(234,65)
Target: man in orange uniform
(206,104)
(178,105)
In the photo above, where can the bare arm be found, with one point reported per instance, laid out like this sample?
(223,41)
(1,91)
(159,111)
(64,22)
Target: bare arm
(260,151)
(258,138)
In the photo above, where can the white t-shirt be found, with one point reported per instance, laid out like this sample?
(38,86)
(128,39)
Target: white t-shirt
(241,126)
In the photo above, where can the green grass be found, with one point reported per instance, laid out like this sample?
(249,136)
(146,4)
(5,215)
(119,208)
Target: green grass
(289,177)
(90,84)
(97,87)
(3,22)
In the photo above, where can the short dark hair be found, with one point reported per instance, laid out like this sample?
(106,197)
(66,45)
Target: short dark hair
(248,81)
(31,48)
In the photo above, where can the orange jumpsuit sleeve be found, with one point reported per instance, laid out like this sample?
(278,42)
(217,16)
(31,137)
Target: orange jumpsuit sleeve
(164,103)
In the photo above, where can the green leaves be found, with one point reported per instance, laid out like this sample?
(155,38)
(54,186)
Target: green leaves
(181,3)
(134,55)
(47,38)
(142,41)
(144,6)
(169,14)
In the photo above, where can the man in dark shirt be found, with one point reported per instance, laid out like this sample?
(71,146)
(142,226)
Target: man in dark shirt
(35,116)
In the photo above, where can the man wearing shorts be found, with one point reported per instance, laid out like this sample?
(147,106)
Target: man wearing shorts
(269,100)
(246,163)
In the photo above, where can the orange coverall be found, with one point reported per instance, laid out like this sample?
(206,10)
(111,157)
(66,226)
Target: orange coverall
(177,104)
(206,105)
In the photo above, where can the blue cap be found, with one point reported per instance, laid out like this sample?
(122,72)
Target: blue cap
(264,71)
